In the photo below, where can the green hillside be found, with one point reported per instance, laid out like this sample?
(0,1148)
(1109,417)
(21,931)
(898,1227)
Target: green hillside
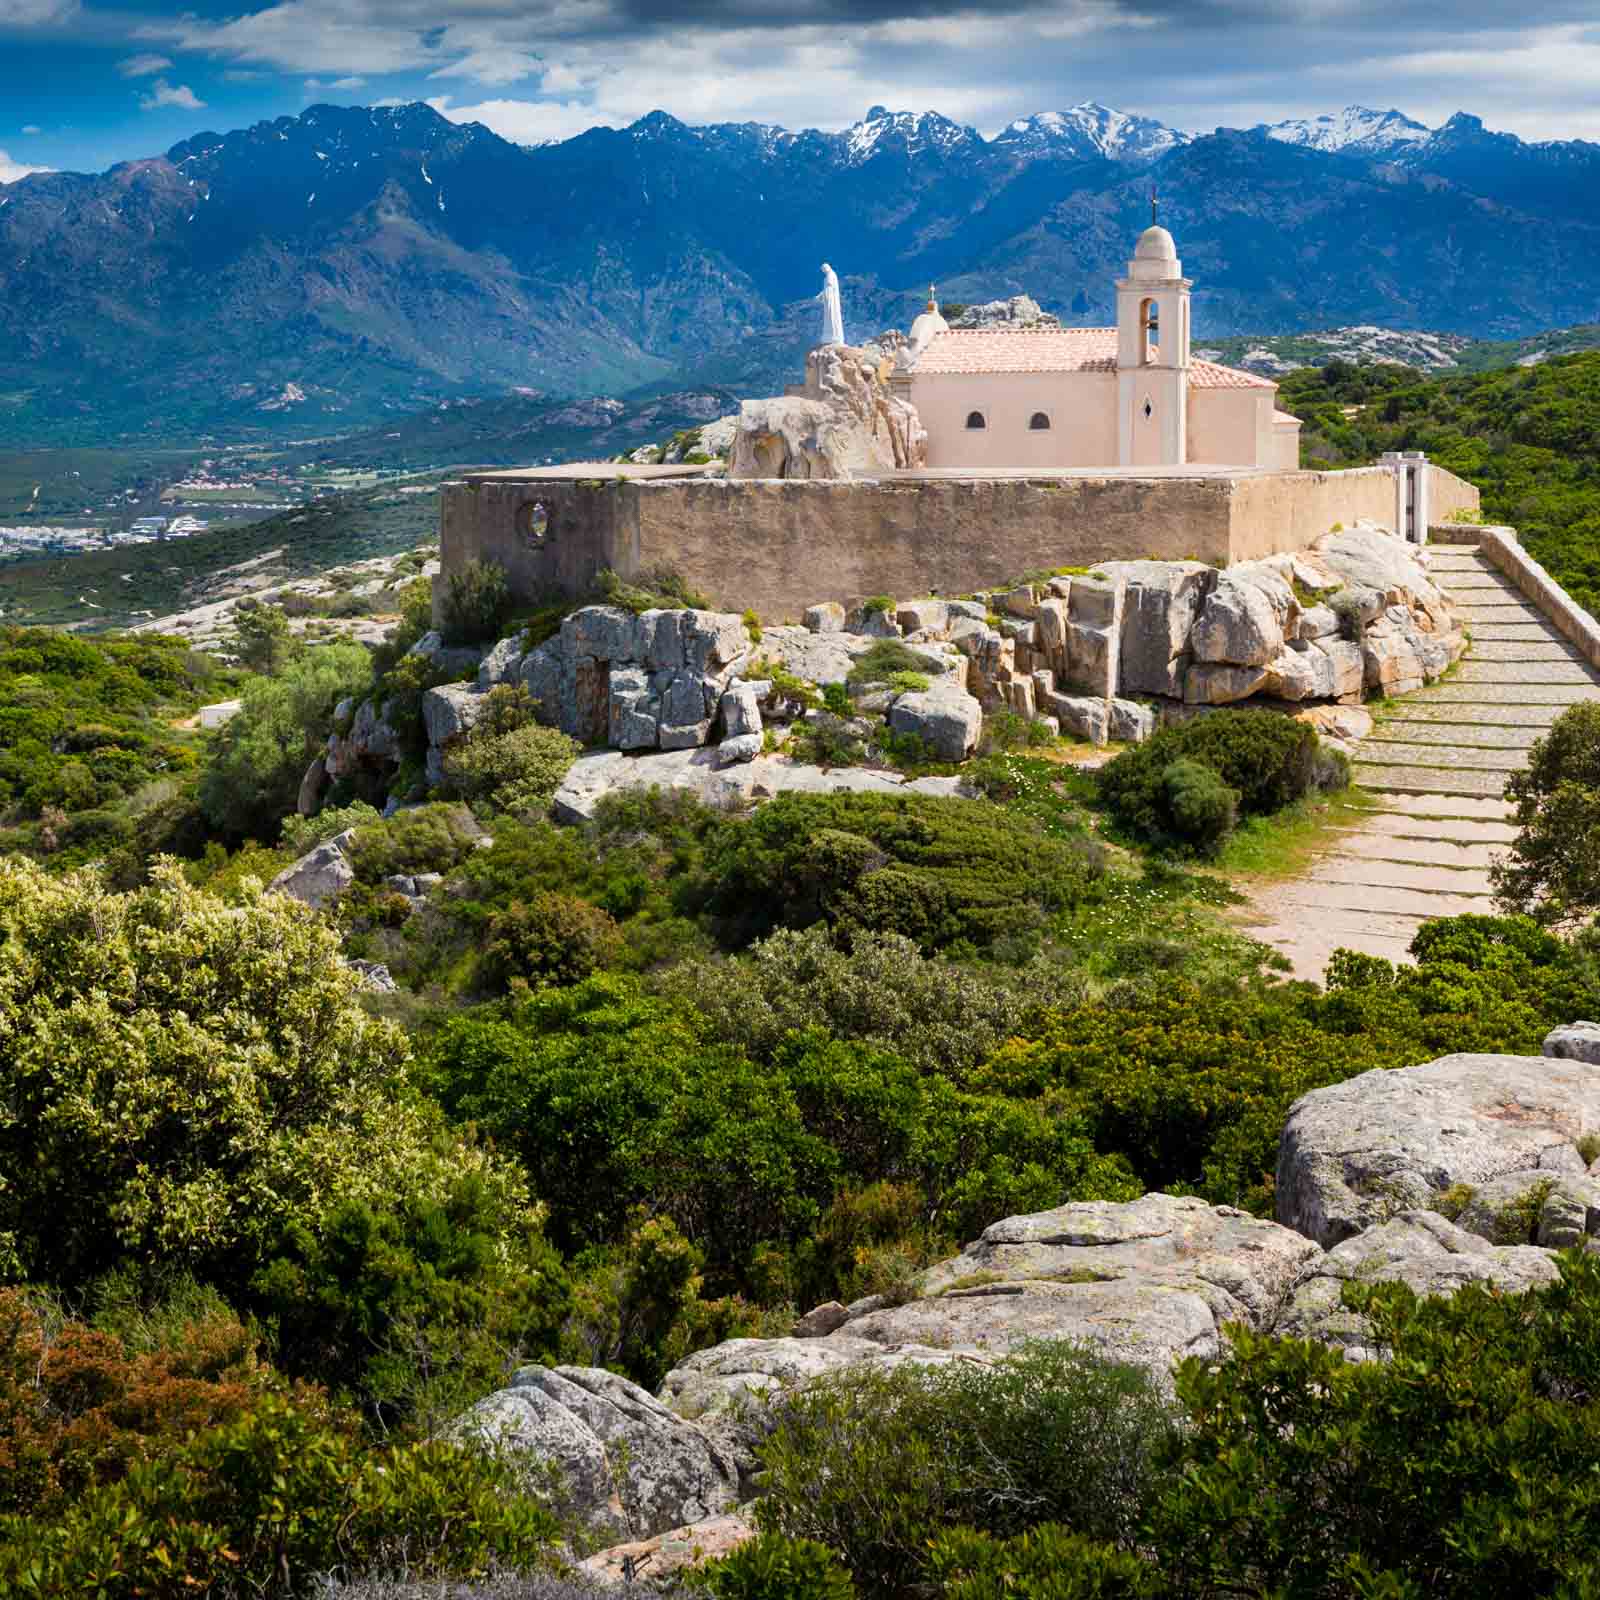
(1529,437)
(113,588)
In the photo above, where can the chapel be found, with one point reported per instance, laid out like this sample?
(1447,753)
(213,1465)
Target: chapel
(1007,397)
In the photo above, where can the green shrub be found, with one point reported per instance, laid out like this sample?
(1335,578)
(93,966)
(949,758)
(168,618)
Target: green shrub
(516,772)
(752,626)
(774,1567)
(258,758)
(877,605)
(432,838)
(1268,761)
(909,682)
(477,602)
(876,1465)
(301,834)
(554,938)
(266,1505)
(836,698)
(1046,1563)
(882,991)
(1459,1466)
(889,656)
(1202,808)
(948,874)
(651,591)
(238,1025)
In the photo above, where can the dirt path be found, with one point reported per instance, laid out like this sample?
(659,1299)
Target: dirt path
(1436,766)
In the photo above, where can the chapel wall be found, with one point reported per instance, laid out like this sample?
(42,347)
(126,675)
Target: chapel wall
(1082,407)
(1447,493)
(780,545)
(1227,428)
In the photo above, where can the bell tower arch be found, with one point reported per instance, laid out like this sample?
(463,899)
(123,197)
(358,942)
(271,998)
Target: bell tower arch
(1153,354)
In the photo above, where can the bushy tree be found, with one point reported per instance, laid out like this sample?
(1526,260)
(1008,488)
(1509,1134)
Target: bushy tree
(265,639)
(182,1080)
(260,755)
(1553,870)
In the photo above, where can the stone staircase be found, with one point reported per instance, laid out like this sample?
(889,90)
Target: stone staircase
(1436,766)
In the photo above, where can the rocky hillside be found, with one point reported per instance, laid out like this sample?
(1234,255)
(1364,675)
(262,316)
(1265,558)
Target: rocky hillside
(331,267)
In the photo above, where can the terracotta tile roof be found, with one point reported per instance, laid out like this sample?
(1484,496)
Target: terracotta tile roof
(1021,350)
(1212,375)
(964,350)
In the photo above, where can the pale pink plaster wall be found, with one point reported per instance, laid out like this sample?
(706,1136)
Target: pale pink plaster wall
(1285,446)
(1231,427)
(1082,407)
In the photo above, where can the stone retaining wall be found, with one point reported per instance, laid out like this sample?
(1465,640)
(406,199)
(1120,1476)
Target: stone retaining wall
(779,545)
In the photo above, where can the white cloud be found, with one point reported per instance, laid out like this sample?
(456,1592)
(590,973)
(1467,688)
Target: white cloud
(35,13)
(526,121)
(163,93)
(32,127)
(11,170)
(348,84)
(492,67)
(142,66)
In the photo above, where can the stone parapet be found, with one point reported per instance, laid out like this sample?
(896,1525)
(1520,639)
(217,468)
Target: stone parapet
(1502,547)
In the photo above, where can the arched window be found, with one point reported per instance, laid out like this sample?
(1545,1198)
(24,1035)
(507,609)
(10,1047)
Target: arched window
(976,421)
(1039,423)
(1149,331)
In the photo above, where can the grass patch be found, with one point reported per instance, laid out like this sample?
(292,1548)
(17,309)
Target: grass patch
(1286,843)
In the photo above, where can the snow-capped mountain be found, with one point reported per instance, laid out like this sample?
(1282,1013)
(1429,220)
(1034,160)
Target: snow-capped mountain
(1088,130)
(911,132)
(1357,130)
(386,253)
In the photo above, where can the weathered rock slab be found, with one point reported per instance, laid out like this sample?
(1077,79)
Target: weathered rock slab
(1420,1249)
(1355,1151)
(623,1461)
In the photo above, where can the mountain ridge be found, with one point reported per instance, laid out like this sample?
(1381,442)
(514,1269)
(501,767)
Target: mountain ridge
(372,260)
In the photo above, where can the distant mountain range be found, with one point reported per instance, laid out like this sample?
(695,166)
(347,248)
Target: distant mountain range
(320,272)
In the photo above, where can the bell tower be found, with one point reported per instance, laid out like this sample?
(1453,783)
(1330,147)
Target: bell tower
(1153,354)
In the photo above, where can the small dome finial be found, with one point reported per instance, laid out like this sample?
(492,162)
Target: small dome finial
(1153,218)
(933,300)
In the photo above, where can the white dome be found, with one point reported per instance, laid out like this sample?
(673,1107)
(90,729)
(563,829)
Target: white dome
(928,324)
(1155,243)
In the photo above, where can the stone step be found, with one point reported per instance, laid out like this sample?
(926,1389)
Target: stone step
(1549,648)
(1448,757)
(1466,735)
(1365,898)
(1494,609)
(1427,878)
(1451,558)
(1475,670)
(1431,809)
(1429,780)
(1454,691)
(1397,830)
(1309,943)
(1513,632)
(1441,854)
(1471,714)
(1461,582)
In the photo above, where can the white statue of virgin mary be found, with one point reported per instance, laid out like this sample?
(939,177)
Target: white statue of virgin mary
(832,312)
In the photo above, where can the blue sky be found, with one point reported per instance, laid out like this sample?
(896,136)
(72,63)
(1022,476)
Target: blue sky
(84,84)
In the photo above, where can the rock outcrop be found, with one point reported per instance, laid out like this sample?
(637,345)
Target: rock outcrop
(1356,1152)
(845,423)
(1420,1249)
(614,1456)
